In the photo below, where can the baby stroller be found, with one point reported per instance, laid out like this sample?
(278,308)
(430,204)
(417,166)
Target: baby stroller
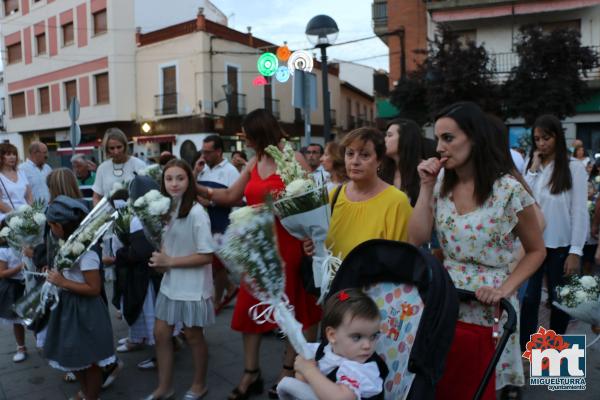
(419,309)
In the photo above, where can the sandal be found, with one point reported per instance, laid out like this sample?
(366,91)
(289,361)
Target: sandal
(273,391)
(254,388)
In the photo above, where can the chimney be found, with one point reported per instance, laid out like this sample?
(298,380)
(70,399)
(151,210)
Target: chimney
(200,20)
(138,35)
(250,38)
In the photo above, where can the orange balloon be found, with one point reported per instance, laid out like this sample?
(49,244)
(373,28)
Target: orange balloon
(283,53)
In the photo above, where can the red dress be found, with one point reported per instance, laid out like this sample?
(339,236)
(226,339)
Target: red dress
(305,308)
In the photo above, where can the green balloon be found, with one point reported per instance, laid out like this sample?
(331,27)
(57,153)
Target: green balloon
(267,64)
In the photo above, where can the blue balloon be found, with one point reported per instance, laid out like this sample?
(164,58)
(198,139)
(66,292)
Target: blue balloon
(282,74)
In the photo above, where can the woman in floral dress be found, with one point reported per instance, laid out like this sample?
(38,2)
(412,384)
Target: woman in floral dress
(479,210)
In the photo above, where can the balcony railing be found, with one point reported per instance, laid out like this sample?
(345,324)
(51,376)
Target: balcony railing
(273,106)
(237,104)
(333,116)
(351,122)
(361,120)
(165,104)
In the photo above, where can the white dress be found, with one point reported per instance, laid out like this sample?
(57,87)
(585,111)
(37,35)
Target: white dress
(13,193)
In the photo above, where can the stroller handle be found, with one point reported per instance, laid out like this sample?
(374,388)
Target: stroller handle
(509,328)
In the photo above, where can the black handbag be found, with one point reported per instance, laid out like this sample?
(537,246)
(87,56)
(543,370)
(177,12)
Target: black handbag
(306,270)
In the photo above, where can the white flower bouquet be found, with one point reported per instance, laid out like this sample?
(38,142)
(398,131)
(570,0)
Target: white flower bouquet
(154,212)
(250,249)
(580,298)
(25,226)
(304,211)
(154,171)
(122,223)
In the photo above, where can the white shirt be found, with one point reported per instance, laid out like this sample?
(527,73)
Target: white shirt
(320,175)
(106,178)
(224,173)
(88,261)
(12,260)
(518,160)
(566,213)
(37,179)
(16,191)
(187,236)
(362,378)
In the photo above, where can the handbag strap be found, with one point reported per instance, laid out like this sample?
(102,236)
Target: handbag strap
(336,194)
(7,194)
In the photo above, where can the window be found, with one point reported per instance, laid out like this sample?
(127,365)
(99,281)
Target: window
(67,32)
(40,43)
(44,94)
(14,53)
(11,6)
(17,105)
(548,27)
(102,93)
(70,91)
(466,36)
(99,22)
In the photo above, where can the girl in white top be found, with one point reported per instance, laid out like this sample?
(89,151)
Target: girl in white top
(559,185)
(12,287)
(187,287)
(345,365)
(15,190)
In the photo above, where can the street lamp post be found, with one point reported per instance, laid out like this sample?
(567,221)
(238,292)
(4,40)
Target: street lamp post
(322,32)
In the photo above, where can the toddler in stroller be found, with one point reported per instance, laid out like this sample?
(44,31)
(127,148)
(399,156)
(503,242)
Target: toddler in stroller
(345,364)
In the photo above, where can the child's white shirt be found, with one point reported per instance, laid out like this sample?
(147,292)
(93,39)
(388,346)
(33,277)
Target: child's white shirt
(362,378)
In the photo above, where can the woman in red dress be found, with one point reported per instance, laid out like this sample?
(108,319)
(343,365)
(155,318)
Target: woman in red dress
(257,180)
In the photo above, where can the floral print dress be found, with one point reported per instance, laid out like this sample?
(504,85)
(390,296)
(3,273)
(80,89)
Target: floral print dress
(478,249)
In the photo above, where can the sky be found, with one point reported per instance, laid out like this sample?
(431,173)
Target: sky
(285,20)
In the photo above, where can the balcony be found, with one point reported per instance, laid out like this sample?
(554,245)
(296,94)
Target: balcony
(379,16)
(361,120)
(272,105)
(237,104)
(165,104)
(333,116)
(351,122)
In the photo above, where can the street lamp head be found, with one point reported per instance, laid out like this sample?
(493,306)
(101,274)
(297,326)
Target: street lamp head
(322,31)
(228,89)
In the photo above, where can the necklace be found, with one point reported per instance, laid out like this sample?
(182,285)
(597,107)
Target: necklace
(118,172)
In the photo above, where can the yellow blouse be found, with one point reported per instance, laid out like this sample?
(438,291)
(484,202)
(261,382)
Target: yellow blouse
(384,216)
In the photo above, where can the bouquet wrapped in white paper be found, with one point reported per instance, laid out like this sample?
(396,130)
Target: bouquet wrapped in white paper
(250,249)
(580,298)
(304,211)
(154,212)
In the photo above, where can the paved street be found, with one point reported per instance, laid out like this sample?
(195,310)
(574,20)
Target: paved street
(35,380)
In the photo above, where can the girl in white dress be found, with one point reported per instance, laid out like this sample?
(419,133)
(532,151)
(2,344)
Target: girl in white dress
(186,289)
(345,365)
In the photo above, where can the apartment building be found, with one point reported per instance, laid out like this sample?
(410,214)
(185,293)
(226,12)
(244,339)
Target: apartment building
(495,24)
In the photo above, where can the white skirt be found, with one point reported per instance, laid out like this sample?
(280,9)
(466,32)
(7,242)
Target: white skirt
(191,313)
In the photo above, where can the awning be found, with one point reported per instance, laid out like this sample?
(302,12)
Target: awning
(385,109)
(155,139)
(592,105)
(83,148)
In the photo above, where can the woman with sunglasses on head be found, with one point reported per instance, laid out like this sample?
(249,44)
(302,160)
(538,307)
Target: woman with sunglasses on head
(119,166)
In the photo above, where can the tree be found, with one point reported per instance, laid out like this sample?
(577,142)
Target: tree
(550,75)
(453,71)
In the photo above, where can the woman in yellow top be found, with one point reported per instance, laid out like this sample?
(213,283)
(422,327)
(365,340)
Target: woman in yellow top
(366,207)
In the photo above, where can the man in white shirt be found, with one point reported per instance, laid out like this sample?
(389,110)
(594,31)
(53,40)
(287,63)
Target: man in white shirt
(313,154)
(36,170)
(518,160)
(218,173)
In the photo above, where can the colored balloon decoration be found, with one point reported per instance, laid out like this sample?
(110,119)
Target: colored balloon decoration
(283,53)
(301,60)
(260,81)
(267,64)
(283,74)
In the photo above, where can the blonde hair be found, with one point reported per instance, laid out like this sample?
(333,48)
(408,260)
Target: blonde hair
(114,134)
(63,181)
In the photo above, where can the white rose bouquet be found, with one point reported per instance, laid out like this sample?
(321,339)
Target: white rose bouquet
(304,211)
(154,212)
(250,249)
(580,298)
(154,171)
(25,226)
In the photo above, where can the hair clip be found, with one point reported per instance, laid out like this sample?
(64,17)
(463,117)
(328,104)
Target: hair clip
(343,296)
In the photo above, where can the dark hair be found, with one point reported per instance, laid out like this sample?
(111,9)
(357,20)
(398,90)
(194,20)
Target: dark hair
(352,301)
(215,140)
(163,159)
(262,129)
(410,153)
(240,153)
(486,157)
(318,145)
(561,179)
(189,196)
(7,148)
(502,141)
(366,135)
